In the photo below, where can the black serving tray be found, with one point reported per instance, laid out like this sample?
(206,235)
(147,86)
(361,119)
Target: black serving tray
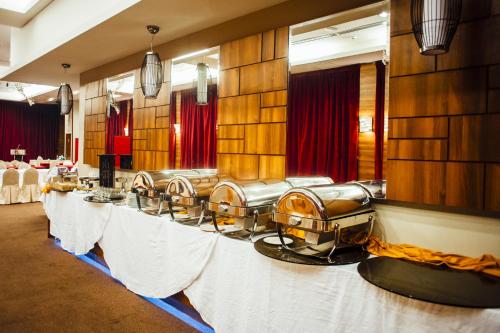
(95,199)
(435,284)
(343,256)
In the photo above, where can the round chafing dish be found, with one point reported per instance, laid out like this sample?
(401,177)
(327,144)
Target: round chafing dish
(250,203)
(191,192)
(324,220)
(375,188)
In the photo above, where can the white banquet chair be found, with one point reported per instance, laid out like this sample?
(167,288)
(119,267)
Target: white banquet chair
(9,192)
(3,165)
(30,190)
(23,165)
(15,163)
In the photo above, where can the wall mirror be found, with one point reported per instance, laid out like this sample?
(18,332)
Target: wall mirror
(119,118)
(338,95)
(193,109)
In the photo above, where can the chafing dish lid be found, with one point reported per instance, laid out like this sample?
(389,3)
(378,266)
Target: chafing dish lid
(157,180)
(323,202)
(193,186)
(308,181)
(375,188)
(248,193)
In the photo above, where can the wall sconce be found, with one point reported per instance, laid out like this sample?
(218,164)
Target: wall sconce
(151,69)
(177,128)
(434,23)
(365,124)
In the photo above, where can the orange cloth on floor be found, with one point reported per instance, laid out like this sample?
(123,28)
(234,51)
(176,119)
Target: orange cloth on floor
(486,263)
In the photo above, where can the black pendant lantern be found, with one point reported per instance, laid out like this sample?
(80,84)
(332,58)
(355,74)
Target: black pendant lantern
(434,23)
(65,96)
(151,69)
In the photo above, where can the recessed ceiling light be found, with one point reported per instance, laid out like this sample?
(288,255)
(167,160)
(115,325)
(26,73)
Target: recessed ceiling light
(383,14)
(20,6)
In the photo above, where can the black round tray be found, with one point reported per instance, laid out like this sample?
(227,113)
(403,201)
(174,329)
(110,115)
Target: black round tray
(435,284)
(93,198)
(342,256)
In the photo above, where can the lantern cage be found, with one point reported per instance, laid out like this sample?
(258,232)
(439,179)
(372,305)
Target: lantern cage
(65,99)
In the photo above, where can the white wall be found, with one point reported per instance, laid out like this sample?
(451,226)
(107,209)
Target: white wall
(446,232)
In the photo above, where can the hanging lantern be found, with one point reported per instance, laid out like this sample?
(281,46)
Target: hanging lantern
(151,69)
(202,84)
(65,95)
(434,23)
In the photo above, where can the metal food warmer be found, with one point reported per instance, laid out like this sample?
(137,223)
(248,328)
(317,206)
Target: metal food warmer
(375,188)
(191,193)
(248,205)
(148,188)
(321,225)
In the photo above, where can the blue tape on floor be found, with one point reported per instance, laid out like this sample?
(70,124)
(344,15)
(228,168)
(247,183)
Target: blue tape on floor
(155,301)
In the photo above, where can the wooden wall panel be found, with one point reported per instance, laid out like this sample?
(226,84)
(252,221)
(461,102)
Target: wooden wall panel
(492,191)
(94,122)
(446,108)
(475,138)
(252,106)
(366,141)
(429,127)
(441,93)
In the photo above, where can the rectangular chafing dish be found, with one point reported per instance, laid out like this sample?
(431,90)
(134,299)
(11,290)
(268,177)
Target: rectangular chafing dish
(149,187)
(250,203)
(191,192)
(327,217)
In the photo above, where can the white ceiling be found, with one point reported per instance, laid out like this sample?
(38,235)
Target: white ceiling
(125,34)
(17,19)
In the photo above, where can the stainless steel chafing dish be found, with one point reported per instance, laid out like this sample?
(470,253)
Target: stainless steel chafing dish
(326,218)
(191,192)
(375,188)
(250,204)
(150,187)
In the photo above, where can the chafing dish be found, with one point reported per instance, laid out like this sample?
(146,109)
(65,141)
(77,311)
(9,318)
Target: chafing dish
(151,185)
(324,221)
(192,193)
(250,204)
(375,188)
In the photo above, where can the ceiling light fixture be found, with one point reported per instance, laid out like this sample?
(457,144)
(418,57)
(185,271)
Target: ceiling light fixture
(65,95)
(151,69)
(20,89)
(202,71)
(434,23)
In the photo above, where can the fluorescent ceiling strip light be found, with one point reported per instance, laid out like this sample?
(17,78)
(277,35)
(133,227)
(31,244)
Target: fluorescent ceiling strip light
(155,301)
(20,6)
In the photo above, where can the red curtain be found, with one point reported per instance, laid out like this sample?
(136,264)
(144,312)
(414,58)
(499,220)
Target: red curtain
(322,128)
(198,130)
(34,128)
(379,119)
(115,125)
(172,115)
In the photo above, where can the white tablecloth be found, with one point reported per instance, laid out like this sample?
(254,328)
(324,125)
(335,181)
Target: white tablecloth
(77,223)
(236,289)
(41,176)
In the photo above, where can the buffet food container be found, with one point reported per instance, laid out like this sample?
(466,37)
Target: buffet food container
(250,203)
(374,188)
(192,193)
(149,187)
(324,219)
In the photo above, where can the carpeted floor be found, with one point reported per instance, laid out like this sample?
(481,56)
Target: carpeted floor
(44,289)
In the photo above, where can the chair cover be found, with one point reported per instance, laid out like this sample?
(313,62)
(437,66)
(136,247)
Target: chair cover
(30,190)
(3,165)
(15,162)
(23,165)
(9,192)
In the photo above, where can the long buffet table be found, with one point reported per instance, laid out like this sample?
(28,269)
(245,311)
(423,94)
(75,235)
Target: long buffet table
(236,289)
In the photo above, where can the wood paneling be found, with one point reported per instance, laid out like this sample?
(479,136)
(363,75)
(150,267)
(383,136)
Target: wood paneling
(252,106)
(473,46)
(282,42)
(405,57)
(229,82)
(263,77)
(366,141)
(94,122)
(441,93)
(494,77)
(416,181)
(492,190)
(429,127)
(268,45)
(402,23)
(464,184)
(494,101)
(419,149)
(273,98)
(273,115)
(475,138)
(239,110)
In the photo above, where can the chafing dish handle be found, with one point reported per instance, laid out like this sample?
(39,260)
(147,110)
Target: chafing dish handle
(203,205)
(254,227)
(336,241)
(214,220)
